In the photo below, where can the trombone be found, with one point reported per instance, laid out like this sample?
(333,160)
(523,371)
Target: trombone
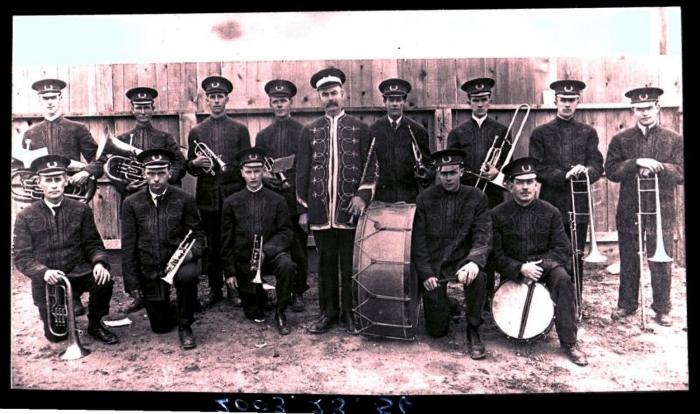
(61,319)
(660,255)
(594,255)
(493,155)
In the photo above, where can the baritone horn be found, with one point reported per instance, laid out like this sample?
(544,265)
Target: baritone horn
(121,166)
(61,319)
(178,257)
(594,255)
(202,149)
(493,156)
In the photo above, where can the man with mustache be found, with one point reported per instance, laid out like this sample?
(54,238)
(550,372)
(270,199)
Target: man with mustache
(452,235)
(281,139)
(530,245)
(645,150)
(335,183)
(225,137)
(566,149)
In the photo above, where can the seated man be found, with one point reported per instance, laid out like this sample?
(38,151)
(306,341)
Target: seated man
(452,235)
(257,211)
(530,245)
(57,236)
(155,221)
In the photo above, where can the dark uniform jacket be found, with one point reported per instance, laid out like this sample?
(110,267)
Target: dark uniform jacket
(67,138)
(281,139)
(559,145)
(226,138)
(330,163)
(661,144)
(475,141)
(148,137)
(394,152)
(151,234)
(525,234)
(246,214)
(68,242)
(450,229)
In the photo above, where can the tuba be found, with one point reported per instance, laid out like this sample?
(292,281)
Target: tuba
(256,259)
(178,257)
(25,187)
(61,319)
(493,155)
(122,165)
(202,149)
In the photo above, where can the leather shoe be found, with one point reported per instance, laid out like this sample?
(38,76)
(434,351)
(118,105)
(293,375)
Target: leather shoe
(323,324)
(133,304)
(575,355)
(476,348)
(282,325)
(348,322)
(78,308)
(620,313)
(187,340)
(663,319)
(298,304)
(103,334)
(213,297)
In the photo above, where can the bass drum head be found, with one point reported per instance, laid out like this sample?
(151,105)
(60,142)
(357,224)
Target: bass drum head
(508,306)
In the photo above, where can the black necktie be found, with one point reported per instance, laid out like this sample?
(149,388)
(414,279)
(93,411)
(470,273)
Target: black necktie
(394,125)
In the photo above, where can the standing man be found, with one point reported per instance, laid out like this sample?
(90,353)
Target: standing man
(281,139)
(452,235)
(530,245)
(475,137)
(566,149)
(145,136)
(225,137)
(646,149)
(155,221)
(334,185)
(64,137)
(57,236)
(257,213)
(397,139)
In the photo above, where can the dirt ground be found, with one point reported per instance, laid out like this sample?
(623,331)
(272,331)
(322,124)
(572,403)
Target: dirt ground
(235,355)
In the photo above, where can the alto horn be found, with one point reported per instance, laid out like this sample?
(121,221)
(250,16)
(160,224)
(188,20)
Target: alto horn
(61,319)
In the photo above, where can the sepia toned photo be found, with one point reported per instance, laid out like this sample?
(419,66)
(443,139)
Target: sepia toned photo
(373,203)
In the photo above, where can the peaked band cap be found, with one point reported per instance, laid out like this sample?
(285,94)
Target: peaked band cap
(521,166)
(645,94)
(253,155)
(569,88)
(156,158)
(48,86)
(478,86)
(215,84)
(394,86)
(450,156)
(280,87)
(327,77)
(141,94)
(50,165)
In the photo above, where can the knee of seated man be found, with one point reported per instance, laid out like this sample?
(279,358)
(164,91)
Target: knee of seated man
(285,263)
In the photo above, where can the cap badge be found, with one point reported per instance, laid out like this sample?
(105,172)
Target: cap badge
(157,157)
(526,168)
(253,156)
(479,86)
(568,88)
(393,87)
(214,84)
(52,164)
(48,87)
(142,95)
(643,96)
(447,159)
(279,88)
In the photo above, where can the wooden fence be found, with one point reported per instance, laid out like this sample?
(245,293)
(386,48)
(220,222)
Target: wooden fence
(95,96)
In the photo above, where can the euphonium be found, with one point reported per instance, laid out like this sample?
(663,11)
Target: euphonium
(256,259)
(25,187)
(202,149)
(122,165)
(178,257)
(61,319)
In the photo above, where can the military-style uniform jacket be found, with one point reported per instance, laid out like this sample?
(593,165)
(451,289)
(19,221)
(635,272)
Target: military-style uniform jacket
(68,241)
(330,162)
(148,137)
(67,138)
(151,234)
(625,148)
(525,234)
(246,214)
(559,145)
(281,139)
(450,229)
(394,151)
(226,138)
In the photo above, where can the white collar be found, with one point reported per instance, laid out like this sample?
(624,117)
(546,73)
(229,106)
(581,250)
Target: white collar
(154,195)
(341,113)
(398,121)
(254,191)
(479,121)
(645,128)
(53,118)
(51,205)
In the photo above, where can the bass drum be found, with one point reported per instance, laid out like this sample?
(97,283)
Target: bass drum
(385,290)
(521,311)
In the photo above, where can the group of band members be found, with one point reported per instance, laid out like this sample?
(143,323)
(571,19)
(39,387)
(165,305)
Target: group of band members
(341,166)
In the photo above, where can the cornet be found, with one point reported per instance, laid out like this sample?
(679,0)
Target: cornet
(256,259)
(61,319)
(202,149)
(178,258)
(493,156)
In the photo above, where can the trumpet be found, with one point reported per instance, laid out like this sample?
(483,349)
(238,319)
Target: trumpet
(421,169)
(178,257)
(493,155)
(61,319)
(202,149)
(25,187)
(256,259)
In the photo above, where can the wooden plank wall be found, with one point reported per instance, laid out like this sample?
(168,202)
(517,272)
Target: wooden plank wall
(95,95)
